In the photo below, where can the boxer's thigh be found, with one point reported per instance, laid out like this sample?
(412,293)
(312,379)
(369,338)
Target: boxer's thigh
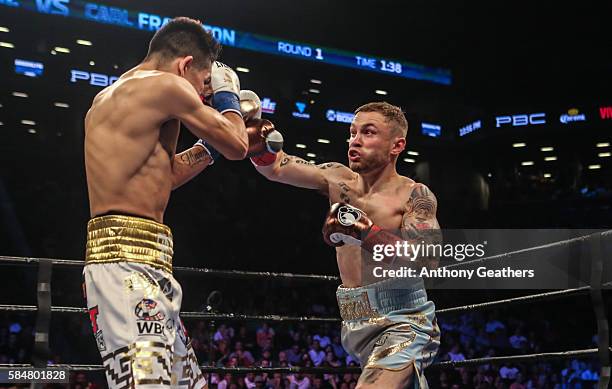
(381,378)
(131,312)
(185,369)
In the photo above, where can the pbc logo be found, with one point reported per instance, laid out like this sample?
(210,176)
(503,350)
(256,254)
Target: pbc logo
(147,310)
(521,120)
(95,79)
(605,112)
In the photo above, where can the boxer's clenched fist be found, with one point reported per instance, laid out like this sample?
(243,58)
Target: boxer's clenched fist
(264,141)
(345,224)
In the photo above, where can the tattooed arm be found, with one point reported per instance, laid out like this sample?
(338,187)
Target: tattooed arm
(189,164)
(295,171)
(419,223)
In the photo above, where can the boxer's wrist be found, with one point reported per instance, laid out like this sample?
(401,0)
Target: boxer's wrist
(211,151)
(377,236)
(226,102)
(265,159)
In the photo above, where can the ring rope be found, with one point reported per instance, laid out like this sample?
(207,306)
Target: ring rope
(203,271)
(253,274)
(233,316)
(585,353)
(566,242)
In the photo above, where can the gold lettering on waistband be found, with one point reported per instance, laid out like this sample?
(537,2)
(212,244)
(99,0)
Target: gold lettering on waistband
(356,307)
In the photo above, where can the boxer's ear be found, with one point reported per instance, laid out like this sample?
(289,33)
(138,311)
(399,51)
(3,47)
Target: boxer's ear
(184,64)
(399,144)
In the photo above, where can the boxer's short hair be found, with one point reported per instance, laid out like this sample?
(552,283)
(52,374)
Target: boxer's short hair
(393,115)
(183,36)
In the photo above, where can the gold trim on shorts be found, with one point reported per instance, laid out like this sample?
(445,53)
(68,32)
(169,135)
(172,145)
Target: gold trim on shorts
(117,238)
(356,307)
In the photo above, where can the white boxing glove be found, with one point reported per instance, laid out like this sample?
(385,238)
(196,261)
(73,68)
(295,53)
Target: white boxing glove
(250,105)
(226,88)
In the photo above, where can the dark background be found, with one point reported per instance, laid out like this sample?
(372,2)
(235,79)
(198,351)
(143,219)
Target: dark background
(505,58)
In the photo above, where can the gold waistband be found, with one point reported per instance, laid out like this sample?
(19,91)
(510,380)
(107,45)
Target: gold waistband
(116,238)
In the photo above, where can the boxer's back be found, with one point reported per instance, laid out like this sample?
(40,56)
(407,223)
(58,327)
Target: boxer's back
(129,145)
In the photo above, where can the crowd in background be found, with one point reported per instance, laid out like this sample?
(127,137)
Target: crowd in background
(272,344)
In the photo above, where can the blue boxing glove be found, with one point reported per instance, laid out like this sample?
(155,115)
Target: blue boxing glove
(226,88)
(212,152)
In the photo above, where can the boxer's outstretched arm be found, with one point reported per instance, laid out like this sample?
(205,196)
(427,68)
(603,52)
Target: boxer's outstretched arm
(188,164)
(295,171)
(226,132)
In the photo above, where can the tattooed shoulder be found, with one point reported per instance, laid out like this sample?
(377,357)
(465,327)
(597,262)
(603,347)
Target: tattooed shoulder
(421,202)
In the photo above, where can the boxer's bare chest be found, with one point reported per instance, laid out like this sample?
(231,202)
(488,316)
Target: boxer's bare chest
(385,207)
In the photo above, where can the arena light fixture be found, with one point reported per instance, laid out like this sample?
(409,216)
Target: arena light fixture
(413,153)
(602,144)
(92,63)
(4,29)
(311,90)
(321,140)
(380,92)
(311,155)
(594,167)
(547,175)
(552,158)
(59,49)
(519,144)
(20,94)
(527,163)
(84,42)
(28,122)
(32,131)
(8,45)
(409,160)
(61,105)
(300,146)
(603,155)
(315,81)
(547,148)
(242,69)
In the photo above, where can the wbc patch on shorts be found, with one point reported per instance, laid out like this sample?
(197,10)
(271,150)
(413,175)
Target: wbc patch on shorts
(150,319)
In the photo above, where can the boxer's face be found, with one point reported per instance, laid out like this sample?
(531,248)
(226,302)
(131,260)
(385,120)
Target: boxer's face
(371,142)
(198,77)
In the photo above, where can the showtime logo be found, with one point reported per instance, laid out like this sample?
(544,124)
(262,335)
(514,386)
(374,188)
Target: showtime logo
(605,112)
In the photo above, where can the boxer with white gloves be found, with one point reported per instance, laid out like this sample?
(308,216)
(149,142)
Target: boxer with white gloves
(131,134)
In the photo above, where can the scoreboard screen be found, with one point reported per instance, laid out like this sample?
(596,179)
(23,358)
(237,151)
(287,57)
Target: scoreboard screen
(146,21)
